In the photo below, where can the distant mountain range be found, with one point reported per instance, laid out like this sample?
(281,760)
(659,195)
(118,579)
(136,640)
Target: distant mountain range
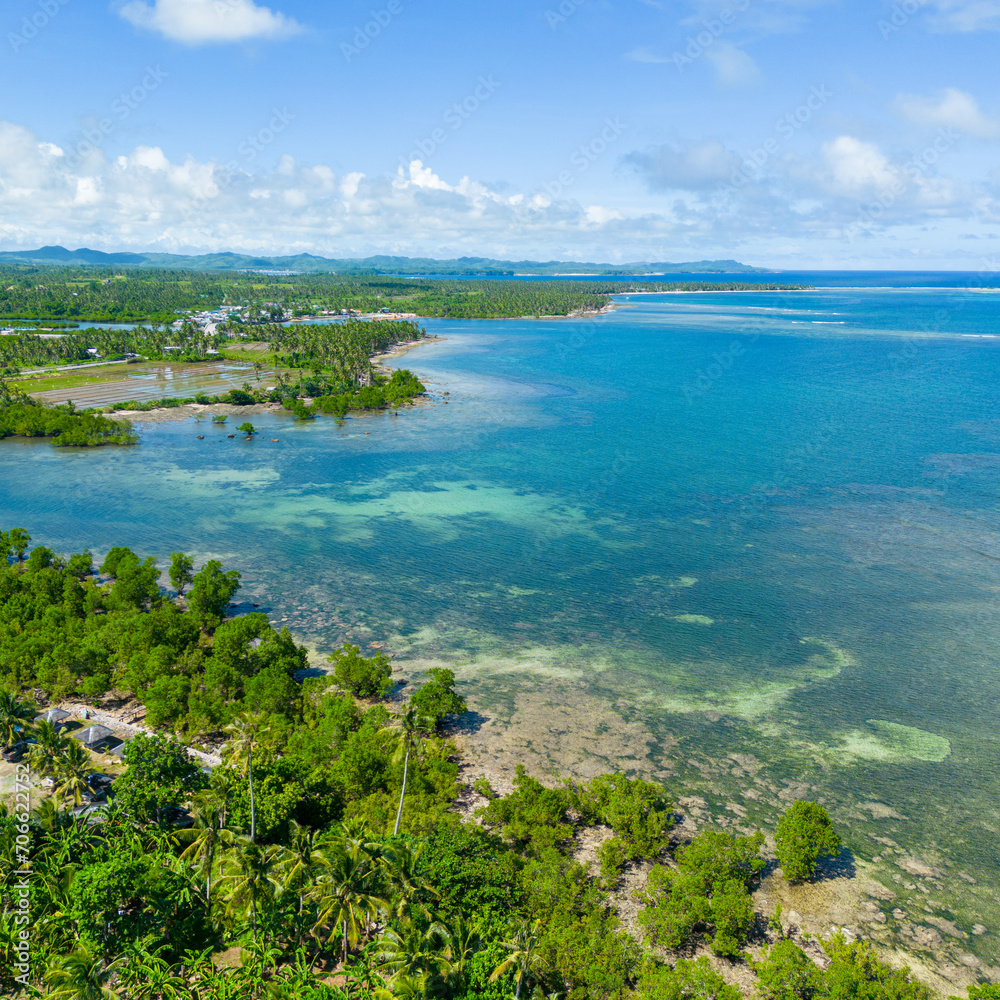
(311,264)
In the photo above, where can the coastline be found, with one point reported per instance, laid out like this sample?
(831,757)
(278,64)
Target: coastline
(403,348)
(552,731)
(169,414)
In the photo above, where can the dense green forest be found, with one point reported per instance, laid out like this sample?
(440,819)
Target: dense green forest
(157,296)
(326,856)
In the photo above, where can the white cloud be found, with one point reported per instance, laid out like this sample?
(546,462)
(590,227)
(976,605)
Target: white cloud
(146,199)
(954,109)
(966,15)
(733,67)
(598,215)
(199,22)
(695,167)
(858,167)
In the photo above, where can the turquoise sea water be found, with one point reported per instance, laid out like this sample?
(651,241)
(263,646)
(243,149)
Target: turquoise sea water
(761,524)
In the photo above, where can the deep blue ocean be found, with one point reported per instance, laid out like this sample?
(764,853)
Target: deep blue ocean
(760,524)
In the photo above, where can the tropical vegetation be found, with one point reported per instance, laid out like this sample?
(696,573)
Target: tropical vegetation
(324,852)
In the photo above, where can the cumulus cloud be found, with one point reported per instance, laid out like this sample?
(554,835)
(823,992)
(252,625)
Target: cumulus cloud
(696,167)
(954,109)
(200,22)
(966,15)
(733,67)
(147,199)
(857,167)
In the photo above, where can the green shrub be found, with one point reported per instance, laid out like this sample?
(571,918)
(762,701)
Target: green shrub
(688,980)
(855,971)
(366,677)
(805,834)
(437,698)
(785,972)
(531,816)
(707,893)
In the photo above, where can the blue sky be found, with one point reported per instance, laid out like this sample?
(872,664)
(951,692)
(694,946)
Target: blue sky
(785,133)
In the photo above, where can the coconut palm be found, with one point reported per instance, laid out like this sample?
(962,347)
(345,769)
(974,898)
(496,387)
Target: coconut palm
(413,952)
(48,816)
(411,891)
(206,838)
(248,878)
(81,975)
(49,748)
(413,726)
(297,864)
(15,718)
(524,958)
(247,732)
(71,772)
(344,891)
(462,944)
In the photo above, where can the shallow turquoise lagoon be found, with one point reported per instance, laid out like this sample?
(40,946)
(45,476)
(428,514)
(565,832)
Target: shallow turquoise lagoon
(754,523)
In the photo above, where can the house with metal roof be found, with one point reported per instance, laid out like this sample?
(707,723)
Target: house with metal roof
(95,738)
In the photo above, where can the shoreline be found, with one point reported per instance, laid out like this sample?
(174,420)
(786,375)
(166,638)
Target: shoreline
(552,733)
(170,414)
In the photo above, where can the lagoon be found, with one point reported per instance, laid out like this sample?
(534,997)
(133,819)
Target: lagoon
(745,543)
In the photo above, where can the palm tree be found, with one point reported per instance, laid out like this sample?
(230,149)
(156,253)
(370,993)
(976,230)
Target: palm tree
(248,877)
(49,748)
(220,784)
(413,726)
(462,944)
(71,770)
(415,953)
(343,891)
(412,891)
(247,732)
(48,816)
(206,837)
(296,864)
(15,718)
(81,975)
(524,957)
